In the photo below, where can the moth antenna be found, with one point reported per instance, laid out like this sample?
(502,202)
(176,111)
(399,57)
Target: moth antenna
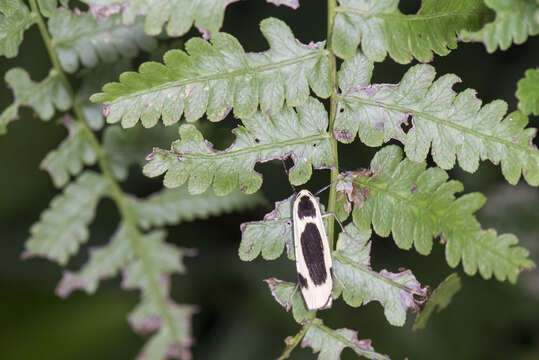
(286,172)
(340,223)
(325,187)
(289,304)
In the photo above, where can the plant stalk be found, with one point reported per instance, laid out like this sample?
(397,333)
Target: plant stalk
(292,342)
(332,4)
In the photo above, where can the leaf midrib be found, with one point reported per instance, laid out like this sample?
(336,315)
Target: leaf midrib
(253,149)
(441,121)
(337,255)
(400,16)
(88,34)
(215,76)
(351,345)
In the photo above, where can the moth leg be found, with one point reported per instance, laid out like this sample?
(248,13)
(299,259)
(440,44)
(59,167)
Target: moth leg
(334,276)
(289,303)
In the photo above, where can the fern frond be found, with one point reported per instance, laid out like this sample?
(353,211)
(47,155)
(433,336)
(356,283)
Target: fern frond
(528,92)
(128,147)
(178,15)
(415,204)
(438,300)
(81,38)
(72,154)
(64,226)
(330,343)
(15,18)
(42,97)
(217,77)
(302,135)
(173,328)
(173,206)
(359,284)
(381,28)
(454,126)
(104,262)
(515,21)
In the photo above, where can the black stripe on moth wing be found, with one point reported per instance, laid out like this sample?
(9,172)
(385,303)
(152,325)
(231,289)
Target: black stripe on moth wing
(313,253)
(306,207)
(302,282)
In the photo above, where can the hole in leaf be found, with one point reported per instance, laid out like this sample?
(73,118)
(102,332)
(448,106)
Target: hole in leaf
(409,7)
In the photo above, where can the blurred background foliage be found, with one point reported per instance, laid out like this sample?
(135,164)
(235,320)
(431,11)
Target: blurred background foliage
(238,317)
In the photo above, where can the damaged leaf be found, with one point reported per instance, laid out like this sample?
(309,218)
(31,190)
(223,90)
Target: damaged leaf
(215,78)
(452,126)
(359,283)
(440,298)
(528,92)
(80,38)
(15,18)
(515,21)
(64,226)
(174,206)
(42,97)
(302,136)
(289,296)
(330,343)
(178,15)
(269,236)
(416,205)
(72,154)
(381,28)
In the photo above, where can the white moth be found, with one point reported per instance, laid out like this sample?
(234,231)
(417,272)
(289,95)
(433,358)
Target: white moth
(313,256)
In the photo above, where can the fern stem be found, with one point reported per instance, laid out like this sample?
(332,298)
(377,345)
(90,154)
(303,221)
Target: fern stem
(292,342)
(116,192)
(332,4)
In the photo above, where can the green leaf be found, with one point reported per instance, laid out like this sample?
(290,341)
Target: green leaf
(81,38)
(47,7)
(63,227)
(302,136)
(127,147)
(105,262)
(288,296)
(92,80)
(72,155)
(269,236)
(217,77)
(381,28)
(452,126)
(150,272)
(15,18)
(440,298)
(404,198)
(42,97)
(330,343)
(178,15)
(359,284)
(174,206)
(528,92)
(514,22)
(489,253)
(415,204)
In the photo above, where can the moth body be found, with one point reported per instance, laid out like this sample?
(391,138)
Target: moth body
(313,256)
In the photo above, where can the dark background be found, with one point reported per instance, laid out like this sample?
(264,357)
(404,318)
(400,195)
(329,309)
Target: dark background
(239,318)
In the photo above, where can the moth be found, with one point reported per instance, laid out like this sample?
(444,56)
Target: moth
(313,256)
